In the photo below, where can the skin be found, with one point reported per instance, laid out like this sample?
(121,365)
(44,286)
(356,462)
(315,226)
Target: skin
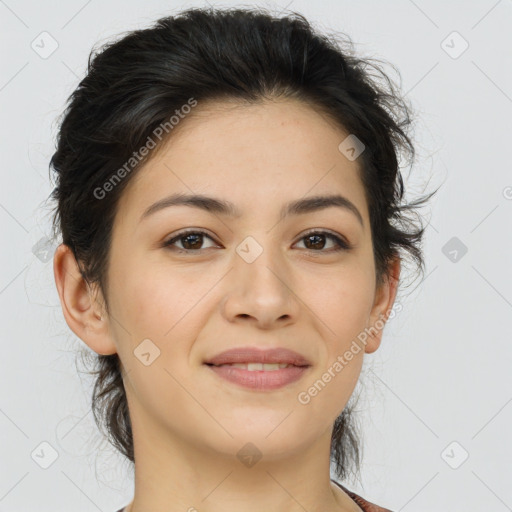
(188,423)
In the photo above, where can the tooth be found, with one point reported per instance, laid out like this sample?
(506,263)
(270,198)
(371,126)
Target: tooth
(258,366)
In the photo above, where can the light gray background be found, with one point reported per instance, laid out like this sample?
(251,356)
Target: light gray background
(443,371)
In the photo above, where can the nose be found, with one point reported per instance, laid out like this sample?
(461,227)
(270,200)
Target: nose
(261,292)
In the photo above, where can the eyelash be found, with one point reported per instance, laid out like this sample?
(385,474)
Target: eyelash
(341,245)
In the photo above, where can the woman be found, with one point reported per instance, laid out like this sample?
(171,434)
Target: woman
(230,203)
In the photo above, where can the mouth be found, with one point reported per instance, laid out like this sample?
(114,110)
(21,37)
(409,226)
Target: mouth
(259,369)
(251,357)
(257,376)
(252,367)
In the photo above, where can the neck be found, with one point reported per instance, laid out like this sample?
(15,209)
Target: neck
(172,475)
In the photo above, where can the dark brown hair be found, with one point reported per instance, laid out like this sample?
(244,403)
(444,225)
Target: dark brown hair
(136,83)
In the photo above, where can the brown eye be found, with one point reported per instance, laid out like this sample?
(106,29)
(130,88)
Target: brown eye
(316,241)
(191,241)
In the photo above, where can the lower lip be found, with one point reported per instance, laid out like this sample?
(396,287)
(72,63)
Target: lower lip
(260,379)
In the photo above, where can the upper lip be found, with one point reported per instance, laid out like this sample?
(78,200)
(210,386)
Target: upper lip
(255,355)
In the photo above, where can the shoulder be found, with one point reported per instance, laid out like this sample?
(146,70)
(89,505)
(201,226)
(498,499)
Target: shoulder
(366,506)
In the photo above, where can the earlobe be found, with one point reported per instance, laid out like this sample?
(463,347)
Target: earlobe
(384,300)
(81,305)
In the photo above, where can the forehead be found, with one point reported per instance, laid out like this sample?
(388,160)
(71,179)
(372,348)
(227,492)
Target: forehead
(257,155)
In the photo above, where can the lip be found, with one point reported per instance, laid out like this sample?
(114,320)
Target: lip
(256,355)
(260,380)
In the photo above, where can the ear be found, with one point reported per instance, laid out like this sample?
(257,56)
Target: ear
(384,300)
(82,307)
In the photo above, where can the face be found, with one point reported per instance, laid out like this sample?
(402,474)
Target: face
(304,282)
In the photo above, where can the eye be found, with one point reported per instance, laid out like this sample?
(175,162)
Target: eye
(192,241)
(316,241)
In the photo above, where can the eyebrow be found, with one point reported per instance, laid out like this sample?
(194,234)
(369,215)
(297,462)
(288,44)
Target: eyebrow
(223,207)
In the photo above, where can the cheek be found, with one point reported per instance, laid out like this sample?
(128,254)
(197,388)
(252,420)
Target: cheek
(151,300)
(165,306)
(343,304)
(341,307)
